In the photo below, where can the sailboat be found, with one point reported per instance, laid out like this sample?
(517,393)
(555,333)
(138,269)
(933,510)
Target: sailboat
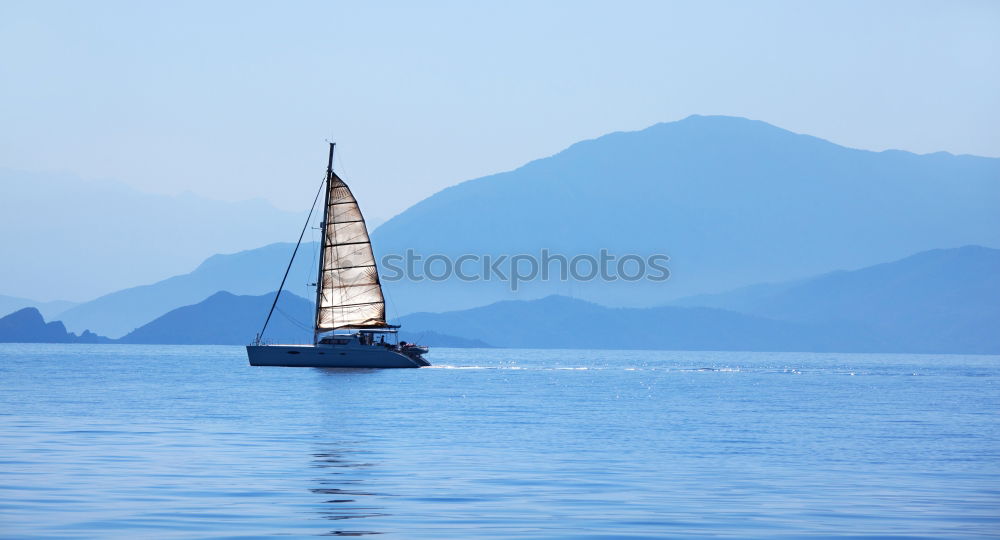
(350,330)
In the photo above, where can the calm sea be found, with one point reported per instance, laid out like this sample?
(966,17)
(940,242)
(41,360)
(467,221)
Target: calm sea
(163,442)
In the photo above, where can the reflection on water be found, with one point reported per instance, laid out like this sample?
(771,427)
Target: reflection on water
(343,481)
(342,485)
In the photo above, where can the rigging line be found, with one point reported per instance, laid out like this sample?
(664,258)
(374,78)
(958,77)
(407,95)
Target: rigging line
(293,320)
(296,250)
(340,159)
(312,236)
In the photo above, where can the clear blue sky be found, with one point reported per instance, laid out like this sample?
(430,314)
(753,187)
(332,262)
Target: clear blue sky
(233,100)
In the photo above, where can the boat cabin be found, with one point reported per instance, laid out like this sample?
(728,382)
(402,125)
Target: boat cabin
(362,338)
(372,339)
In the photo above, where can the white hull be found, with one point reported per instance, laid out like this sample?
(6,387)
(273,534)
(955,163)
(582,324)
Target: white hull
(330,356)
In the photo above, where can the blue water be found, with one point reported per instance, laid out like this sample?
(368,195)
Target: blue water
(173,442)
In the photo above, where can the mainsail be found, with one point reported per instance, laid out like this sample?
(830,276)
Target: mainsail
(348,294)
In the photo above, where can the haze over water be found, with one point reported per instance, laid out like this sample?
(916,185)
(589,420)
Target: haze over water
(126,441)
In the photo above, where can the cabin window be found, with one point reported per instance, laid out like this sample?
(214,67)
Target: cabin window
(341,341)
(293,352)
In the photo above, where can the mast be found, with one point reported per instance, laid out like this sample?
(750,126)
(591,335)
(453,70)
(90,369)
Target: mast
(322,243)
(350,294)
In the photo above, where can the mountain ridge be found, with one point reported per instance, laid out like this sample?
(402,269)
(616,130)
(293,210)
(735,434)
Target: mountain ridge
(715,194)
(938,301)
(560,322)
(243,272)
(28,326)
(732,201)
(935,299)
(241,318)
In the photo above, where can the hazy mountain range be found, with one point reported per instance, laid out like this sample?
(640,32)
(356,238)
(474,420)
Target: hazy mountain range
(940,301)
(228,319)
(733,202)
(252,272)
(28,326)
(570,323)
(935,301)
(551,322)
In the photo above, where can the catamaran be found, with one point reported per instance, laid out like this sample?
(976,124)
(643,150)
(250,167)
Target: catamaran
(350,330)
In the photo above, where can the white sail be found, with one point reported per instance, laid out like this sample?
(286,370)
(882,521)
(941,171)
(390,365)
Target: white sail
(349,295)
